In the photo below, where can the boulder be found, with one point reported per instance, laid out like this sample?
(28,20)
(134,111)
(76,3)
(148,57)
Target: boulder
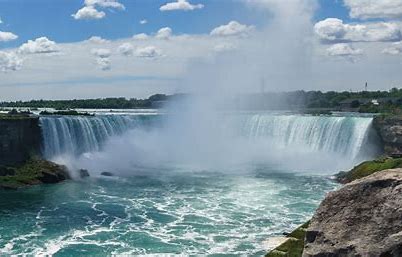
(363,218)
(107,174)
(83,173)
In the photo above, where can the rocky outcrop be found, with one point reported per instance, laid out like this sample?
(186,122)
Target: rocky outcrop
(389,129)
(32,172)
(361,219)
(20,138)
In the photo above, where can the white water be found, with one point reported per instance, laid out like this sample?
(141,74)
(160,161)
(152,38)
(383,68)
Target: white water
(296,142)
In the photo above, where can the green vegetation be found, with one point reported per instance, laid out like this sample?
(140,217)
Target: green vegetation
(293,247)
(369,167)
(34,171)
(387,101)
(103,103)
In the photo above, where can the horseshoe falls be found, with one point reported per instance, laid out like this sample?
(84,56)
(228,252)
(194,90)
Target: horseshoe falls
(220,187)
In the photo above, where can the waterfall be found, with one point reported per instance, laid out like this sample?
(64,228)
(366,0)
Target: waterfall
(345,135)
(75,135)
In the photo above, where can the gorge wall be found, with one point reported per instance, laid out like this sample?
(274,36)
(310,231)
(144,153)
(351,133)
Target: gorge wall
(20,137)
(389,129)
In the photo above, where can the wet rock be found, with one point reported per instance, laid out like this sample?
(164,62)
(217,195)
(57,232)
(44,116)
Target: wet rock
(6,171)
(364,218)
(107,174)
(83,173)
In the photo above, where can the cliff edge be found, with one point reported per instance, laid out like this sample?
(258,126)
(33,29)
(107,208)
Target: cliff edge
(389,128)
(363,218)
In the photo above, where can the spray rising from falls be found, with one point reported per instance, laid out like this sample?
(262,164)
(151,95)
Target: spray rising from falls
(296,141)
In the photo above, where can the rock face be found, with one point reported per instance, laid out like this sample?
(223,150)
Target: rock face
(364,218)
(20,137)
(390,131)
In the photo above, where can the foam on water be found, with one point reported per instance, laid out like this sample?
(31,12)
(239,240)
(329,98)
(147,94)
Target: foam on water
(165,212)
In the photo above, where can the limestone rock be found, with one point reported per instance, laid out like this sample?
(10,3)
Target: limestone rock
(364,218)
(390,132)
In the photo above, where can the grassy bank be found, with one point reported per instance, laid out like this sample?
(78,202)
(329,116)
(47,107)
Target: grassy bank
(367,168)
(34,171)
(293,246)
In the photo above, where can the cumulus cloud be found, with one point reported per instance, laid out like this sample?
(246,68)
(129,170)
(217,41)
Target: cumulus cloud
(164,33)
(97,40)
(126,49)
(182,5)
(141,36)
(148,52)
(7,36)
(345,51)
(89,11)
(9,61)
(40,45)
(233,28)
(102,58)
(105,4)
(142,22)
(102,53)
(394,49)
(334,30)
(370,9)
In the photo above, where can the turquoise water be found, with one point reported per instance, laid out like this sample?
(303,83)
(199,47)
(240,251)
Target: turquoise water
(190,186)
(169,212)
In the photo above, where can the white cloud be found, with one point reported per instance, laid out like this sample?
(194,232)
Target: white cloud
(7,36)
(1,21)
(98,40)
(88,13)
(224,47)
(105,4)
(142,22)
(126,49)
(164,33)
(233,28)
(102,59)
(334,30)
(345,51)
(394,49)
(141,36)
(101,52)
(9,61)
(182,5)
(148,52)
(369,9)
(39,46)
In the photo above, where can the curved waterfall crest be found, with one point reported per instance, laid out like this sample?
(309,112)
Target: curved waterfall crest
(74,135)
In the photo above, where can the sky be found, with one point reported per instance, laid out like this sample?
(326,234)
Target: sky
(63,49)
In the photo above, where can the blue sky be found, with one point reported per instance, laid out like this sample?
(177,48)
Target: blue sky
(292,44)
(52,18)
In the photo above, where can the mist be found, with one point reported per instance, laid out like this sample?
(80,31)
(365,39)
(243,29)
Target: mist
(199,134)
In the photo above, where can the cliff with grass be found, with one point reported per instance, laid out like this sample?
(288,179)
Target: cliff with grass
(21,164)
